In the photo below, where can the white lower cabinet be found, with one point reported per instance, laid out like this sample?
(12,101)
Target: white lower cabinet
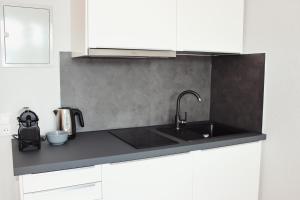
(91,191)
(76,184)
(60,179)
(163,178)
(227,173)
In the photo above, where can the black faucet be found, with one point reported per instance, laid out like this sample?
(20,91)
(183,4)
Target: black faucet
(178,119)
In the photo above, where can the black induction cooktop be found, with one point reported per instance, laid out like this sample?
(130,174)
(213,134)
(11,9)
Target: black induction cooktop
(142,138)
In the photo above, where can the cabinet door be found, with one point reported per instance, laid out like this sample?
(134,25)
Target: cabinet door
(227,173)
(71,177)
(210,25)
(81,192)
(26,35)
(165,178)
(132,24)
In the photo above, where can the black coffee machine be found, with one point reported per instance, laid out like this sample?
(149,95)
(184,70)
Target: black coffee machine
(29,137)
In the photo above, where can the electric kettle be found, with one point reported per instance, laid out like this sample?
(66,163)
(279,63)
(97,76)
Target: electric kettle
(65,120)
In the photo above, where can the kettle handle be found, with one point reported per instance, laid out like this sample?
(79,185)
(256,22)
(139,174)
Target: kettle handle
(78,113)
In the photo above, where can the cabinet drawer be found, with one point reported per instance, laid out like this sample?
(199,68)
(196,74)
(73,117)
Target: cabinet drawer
(91,191)
(59,179)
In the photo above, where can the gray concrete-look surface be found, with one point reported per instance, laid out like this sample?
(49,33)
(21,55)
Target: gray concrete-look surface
(120,93)
(237,90)
(100,147)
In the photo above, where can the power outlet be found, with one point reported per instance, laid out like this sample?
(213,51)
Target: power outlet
(4,124)
(4,129)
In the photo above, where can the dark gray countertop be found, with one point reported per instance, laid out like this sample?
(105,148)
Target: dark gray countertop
(100,147)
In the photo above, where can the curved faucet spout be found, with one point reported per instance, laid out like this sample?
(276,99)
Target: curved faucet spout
(178,119)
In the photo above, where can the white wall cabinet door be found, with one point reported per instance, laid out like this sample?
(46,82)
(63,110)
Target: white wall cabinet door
(210,25)
(90,191)
(26,35)
(227,173)
(164,178)
(132,24)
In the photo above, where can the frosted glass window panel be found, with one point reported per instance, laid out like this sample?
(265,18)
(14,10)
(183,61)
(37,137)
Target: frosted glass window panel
(27,35)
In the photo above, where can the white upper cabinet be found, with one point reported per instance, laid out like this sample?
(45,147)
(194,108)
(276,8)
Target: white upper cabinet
(164,178)
(164,25)
(132,24)
(210,25)
(25,35)
(126,24)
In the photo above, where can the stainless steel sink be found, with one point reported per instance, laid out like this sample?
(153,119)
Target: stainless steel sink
(197,131)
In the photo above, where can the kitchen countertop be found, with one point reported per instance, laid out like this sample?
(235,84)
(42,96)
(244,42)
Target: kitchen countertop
(100,147)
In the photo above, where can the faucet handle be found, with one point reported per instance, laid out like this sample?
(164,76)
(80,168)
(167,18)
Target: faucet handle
(185,118)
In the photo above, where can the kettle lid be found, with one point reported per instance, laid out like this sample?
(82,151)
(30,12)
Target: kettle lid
(65,108)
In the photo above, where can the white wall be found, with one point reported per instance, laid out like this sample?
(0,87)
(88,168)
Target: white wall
(37,88)
(271,27)
(274,27)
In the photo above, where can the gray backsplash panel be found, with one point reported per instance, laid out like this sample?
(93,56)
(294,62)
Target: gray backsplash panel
(118,93)
(238,90)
